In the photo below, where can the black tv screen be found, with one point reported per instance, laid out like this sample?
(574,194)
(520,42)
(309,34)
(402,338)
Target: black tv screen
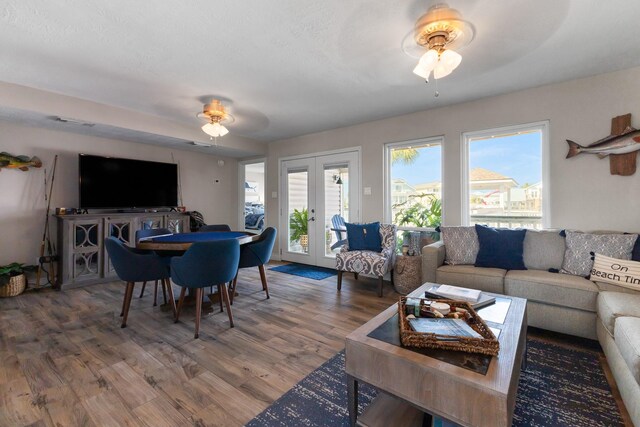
(108,182)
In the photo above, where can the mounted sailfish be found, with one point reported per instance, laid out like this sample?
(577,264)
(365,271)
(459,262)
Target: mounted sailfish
(19,162)
(627,142)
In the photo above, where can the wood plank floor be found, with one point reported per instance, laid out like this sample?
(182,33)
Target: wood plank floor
(65,361)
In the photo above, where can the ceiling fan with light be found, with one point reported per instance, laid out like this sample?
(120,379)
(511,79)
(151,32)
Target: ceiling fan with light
(439,32)
(217,117)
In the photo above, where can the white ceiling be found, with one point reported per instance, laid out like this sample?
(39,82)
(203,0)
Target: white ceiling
(292,67)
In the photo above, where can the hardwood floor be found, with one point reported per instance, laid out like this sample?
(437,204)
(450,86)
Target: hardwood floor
(65,361)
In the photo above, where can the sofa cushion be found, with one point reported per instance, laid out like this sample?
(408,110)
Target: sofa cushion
(552,288)
(461,245)
(500,248)
(577,257)
(608,287)
(543,250)
(468,276)
(612,305)
(628,341)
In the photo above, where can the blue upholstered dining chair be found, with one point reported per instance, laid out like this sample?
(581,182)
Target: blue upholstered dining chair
(206,264)
(369,262)
(150,232)
(133,266)
(214,227)
(256,254)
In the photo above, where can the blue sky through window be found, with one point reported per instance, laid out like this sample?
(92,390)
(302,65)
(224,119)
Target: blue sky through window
(515,156)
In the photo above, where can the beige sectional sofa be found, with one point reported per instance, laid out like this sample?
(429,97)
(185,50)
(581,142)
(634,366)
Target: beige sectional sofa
(559,302)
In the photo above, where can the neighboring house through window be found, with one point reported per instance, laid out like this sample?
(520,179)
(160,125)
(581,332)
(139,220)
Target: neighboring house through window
(505,176)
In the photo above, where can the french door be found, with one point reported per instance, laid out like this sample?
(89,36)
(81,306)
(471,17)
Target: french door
(319,194)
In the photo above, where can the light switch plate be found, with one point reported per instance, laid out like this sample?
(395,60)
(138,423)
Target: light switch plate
(274,194)
(367,191)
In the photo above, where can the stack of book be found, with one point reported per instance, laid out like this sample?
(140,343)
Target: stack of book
(476,298)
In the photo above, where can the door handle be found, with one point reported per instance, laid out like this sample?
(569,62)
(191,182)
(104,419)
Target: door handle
(312,219)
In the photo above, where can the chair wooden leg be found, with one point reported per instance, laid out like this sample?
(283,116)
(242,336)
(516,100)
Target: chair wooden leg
(232,288)
(155,295)
(263,277)
(124,300)
(220,299)
(225,295)
(167,283)
(355,276)
(392,281)
(339,279)
(180,303)
(199,293)
(381,280)
(164,292)
(127,303)
(144,285)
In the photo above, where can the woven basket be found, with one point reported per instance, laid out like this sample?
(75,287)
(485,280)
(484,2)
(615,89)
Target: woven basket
(407,274)
(488,344)
(16,286)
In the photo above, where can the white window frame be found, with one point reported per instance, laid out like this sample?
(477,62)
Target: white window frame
(436,140)
(543,128)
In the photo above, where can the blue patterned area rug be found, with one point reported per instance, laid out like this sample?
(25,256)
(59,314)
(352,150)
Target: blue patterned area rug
(308,271)
(560,387)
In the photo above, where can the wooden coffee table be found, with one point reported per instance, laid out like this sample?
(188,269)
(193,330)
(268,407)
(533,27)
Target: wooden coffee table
(412,381)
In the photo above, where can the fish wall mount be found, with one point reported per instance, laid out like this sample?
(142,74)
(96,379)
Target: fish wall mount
(621,147)
(18,162)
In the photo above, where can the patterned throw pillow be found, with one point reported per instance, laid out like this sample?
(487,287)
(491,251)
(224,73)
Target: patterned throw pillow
(616,271)
(461,245)
(577,257)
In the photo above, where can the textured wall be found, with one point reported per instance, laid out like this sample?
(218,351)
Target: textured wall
(583,193)
(22,193)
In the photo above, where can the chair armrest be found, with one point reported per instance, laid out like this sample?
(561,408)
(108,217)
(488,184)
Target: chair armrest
(432,258)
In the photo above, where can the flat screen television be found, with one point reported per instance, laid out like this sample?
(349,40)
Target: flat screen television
(112,183)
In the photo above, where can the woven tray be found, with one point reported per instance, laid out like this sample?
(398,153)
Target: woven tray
(15,287)
(488,344)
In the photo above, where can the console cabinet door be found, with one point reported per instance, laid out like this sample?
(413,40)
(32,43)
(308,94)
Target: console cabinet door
(150,222)
(123,229)
(177,223)
(85,251)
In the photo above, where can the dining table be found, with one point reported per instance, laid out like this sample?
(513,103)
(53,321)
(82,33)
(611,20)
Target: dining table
(178,243)
(182,241)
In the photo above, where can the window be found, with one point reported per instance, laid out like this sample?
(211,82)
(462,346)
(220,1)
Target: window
(414,184)
(505,176)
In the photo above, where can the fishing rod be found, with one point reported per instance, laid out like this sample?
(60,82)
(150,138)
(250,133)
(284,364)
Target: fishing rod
(45,244)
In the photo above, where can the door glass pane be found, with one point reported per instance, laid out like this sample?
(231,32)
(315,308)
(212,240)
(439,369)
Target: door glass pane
(254,197)
(298,197)
(336,207)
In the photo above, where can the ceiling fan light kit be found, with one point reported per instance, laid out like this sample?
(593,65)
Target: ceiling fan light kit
(439,32)
(216,114)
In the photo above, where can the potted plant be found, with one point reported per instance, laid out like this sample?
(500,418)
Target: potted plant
(13,280)
(298,226)
(424,214)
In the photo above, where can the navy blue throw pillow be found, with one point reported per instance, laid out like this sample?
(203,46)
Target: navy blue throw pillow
(635,255)
(500,248)
(364,237)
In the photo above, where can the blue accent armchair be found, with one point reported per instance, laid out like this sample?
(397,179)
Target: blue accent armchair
(214,227)
(133,266)
(206,264)
(257,254)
